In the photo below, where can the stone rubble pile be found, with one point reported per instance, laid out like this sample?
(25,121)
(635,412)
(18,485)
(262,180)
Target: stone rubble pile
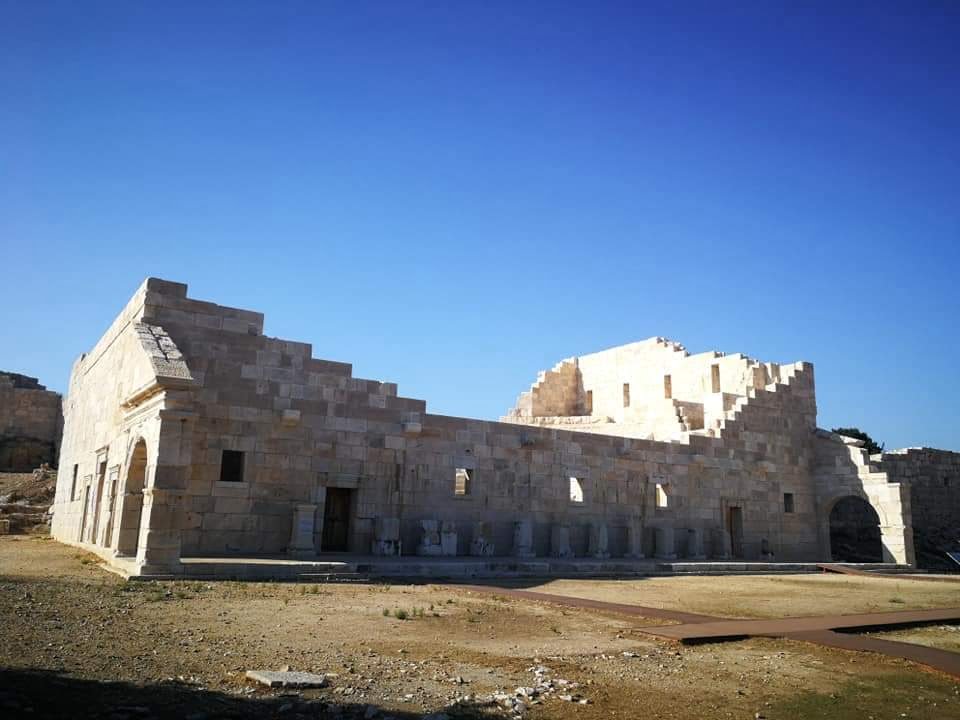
(25,500)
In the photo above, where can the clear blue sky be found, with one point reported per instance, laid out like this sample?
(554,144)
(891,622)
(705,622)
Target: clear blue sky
(455,195)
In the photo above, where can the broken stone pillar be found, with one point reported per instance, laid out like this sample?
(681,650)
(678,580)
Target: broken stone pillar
(481,544)
(386,536)
(301,534)
(695,544)
(523,539)
(722,546)
(560,541)
(448,538)
(635,538)
(663,539)
(599,543)
(429,538)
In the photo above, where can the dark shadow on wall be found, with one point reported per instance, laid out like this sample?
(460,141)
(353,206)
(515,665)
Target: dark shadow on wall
(23,454)
(855,532)
(45,694)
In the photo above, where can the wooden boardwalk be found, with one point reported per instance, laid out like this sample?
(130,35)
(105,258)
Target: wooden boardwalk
(829,630)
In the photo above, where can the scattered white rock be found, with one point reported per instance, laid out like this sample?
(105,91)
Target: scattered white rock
(281,678)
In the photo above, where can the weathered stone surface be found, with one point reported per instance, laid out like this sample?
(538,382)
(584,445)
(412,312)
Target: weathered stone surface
(189,432)
(30,423)
(291,679)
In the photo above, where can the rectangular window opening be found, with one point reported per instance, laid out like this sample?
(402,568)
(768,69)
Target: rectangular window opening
(788,502)
(667,387)
(231,466)
(462,482)
(626,394)
(588,403)
(73,484)
(663,496)
(576,490)
(715,378)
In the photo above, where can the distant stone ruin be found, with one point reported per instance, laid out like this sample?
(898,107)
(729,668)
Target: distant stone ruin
(31,421)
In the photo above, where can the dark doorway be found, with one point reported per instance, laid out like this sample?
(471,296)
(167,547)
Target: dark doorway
(735,528)
(855,531)
(336,520)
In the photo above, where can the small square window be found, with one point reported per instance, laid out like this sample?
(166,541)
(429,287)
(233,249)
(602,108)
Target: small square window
(663,496)
(788,502)
(231,466)
(576,490)
(462,481)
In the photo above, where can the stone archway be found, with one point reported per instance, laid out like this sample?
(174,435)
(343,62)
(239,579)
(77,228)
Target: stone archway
(855,531)
(128,536)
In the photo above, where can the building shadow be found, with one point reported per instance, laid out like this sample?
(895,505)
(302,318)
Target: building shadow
(35,693)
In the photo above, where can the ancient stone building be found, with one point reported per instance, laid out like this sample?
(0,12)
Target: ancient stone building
(190,433)
(30,423)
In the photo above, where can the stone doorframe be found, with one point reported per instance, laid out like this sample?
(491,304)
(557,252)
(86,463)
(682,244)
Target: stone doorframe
(319,503)
(726,551)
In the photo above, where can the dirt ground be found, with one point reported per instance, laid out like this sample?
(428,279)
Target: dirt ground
(945,637)
(77,642)
(765,596)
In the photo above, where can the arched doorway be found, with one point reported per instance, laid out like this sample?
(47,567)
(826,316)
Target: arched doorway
(855,531)
(129,536)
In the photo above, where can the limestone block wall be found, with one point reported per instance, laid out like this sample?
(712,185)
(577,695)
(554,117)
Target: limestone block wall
(651,389)
(98,435)
(302,425)
(933,477)
(305,426)
(843,469)
(30,423)
(557,392)
(191,432)
(773,429)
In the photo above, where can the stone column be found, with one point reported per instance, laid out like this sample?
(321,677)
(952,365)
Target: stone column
(695,544)
(664,542)
(523,539)
(599,545)
(301,534)
(159,545)
(560,541)
(722,545)
(635,539)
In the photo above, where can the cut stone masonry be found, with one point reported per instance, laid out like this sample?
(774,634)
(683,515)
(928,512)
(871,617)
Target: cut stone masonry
(190,433)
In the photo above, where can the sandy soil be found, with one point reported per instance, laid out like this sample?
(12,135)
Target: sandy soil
(765,596)
(79,642)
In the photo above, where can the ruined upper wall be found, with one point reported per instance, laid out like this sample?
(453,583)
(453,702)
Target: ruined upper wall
(303,425)
(649,389)
(30,422)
